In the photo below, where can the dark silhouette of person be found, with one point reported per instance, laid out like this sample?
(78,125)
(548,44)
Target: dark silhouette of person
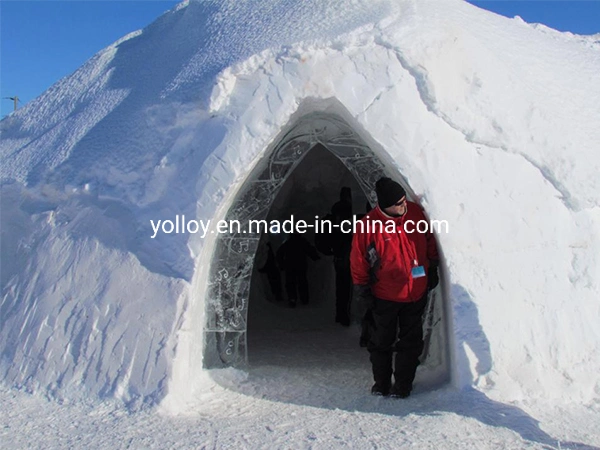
(341,243)
(271,270)
(338,244)
(292,259)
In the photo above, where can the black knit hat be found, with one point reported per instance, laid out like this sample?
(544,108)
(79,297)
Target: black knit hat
(388,192)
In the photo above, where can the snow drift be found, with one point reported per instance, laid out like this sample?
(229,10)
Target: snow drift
(491,123)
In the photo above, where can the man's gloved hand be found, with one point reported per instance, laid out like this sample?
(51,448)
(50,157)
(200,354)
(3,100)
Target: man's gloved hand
(362,293)
(363,299)
(433,277)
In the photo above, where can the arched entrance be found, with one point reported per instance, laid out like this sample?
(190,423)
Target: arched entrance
(228,290)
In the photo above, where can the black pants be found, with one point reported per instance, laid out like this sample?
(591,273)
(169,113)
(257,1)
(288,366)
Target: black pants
(396,327)
(343,289)
(275,283)
(366,325)
(296,285)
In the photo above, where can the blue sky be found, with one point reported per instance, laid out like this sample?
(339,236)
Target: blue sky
(43,41)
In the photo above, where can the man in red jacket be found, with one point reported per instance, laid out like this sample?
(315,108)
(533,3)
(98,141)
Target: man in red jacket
(393,267)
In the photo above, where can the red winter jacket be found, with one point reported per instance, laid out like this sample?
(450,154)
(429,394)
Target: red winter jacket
(384,260)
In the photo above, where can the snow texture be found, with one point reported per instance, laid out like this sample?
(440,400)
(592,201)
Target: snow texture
(491,123)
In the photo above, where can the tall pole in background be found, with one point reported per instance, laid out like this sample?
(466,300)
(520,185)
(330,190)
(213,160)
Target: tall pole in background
(15,100)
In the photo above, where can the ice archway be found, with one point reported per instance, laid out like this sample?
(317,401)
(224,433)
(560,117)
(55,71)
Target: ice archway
(228,288)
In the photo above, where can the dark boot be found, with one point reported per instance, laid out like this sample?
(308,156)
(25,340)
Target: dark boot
(343,320)
(381,363)
(400,391)
(381,389)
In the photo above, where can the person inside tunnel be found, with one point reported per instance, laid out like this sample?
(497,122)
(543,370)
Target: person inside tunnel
(292,258)
(267,265)
(338,243)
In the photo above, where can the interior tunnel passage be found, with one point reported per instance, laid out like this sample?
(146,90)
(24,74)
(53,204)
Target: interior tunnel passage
(308,194)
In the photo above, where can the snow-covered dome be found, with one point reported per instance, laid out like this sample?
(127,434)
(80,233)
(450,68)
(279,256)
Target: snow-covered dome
(490,123)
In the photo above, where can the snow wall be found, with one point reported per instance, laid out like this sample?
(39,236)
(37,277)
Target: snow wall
(491,122)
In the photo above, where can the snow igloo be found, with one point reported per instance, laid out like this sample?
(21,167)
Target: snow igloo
(227,111)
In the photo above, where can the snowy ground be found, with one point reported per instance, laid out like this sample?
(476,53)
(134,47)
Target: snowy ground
(305,389)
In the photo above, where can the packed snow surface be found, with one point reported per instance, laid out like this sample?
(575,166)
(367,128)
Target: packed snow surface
(491,123)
